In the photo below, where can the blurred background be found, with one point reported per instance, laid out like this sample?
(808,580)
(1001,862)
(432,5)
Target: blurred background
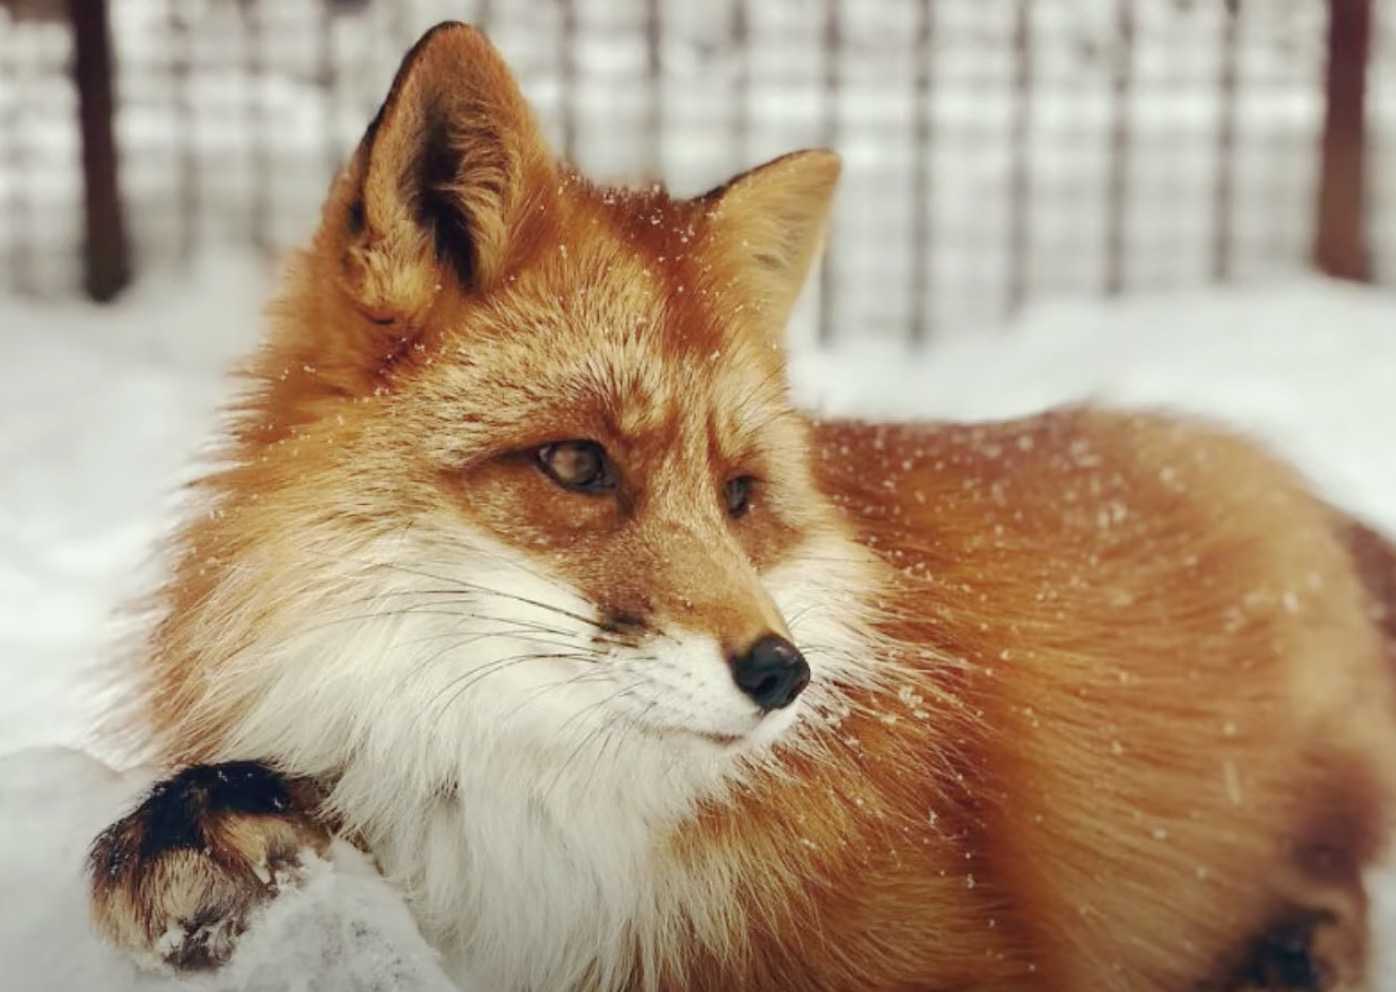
(998,152)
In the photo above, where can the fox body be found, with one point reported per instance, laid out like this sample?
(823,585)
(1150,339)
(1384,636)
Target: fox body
(519,559)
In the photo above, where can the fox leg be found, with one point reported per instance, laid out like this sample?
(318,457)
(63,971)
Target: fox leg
(1319,944)
(173,881)
(1305,953)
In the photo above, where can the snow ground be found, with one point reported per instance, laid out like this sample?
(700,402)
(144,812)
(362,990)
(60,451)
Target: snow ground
(102,412)
(344,931)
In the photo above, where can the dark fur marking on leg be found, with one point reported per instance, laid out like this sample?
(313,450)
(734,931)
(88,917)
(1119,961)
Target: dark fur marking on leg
(199,852)
(175,810)
(1282,958)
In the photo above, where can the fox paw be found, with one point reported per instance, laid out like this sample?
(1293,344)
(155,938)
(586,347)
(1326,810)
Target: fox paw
(174,881)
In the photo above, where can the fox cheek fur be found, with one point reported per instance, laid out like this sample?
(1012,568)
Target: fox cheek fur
(523,572)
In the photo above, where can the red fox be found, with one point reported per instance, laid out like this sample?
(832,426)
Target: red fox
(521,572)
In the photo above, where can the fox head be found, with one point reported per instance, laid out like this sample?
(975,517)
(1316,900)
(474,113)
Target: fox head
(518,480)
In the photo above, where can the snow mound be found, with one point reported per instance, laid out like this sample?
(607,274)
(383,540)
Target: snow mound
(343,930)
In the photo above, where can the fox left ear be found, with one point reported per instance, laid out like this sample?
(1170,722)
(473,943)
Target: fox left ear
(441,179)
(772,221)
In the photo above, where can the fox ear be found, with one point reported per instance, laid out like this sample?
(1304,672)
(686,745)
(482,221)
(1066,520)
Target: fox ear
(441,177)
(772,221)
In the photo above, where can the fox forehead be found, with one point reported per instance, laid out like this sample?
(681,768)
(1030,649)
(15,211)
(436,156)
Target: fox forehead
(607,338)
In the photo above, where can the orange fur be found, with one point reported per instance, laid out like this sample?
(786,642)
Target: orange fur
(1138,710)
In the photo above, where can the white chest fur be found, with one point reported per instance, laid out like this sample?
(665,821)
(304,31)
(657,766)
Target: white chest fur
(517,900)
(522,802)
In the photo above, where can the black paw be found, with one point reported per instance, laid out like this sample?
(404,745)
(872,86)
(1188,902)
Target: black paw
(175,880)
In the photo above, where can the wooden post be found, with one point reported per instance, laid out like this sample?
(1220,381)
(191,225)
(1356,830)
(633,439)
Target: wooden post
(107,265)
(1340,241)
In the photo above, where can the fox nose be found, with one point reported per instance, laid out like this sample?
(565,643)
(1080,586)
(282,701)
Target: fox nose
(772,672)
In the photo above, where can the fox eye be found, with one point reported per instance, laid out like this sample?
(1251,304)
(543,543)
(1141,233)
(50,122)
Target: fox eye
(737,493)
(578,465)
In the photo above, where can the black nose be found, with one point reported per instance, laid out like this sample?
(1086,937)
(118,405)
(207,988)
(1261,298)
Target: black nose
(772,672)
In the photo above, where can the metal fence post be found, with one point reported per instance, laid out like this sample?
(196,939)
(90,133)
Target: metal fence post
(828,278)
(1117,179)
(1020,171)
(1224,191)
(922,283)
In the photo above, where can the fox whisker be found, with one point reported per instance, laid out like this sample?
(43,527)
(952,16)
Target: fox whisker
(458,686)
(587,735)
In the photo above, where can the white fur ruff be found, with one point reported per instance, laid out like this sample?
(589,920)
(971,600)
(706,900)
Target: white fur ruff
(516,777)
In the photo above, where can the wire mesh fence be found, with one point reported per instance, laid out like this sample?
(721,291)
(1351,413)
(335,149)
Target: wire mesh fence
(996,151)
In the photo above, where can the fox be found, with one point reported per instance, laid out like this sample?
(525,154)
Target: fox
(520,570)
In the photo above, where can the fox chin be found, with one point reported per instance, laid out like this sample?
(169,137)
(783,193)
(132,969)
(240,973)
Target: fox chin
(520,570)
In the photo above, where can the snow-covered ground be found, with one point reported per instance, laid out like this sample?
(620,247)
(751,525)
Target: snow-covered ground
(344,930)
(102,412)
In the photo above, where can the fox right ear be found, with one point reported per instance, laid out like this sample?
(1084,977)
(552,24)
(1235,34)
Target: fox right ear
(441,177)
(771,222)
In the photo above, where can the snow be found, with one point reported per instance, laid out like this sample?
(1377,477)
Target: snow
(103,412)
(100,411)
(343,930)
